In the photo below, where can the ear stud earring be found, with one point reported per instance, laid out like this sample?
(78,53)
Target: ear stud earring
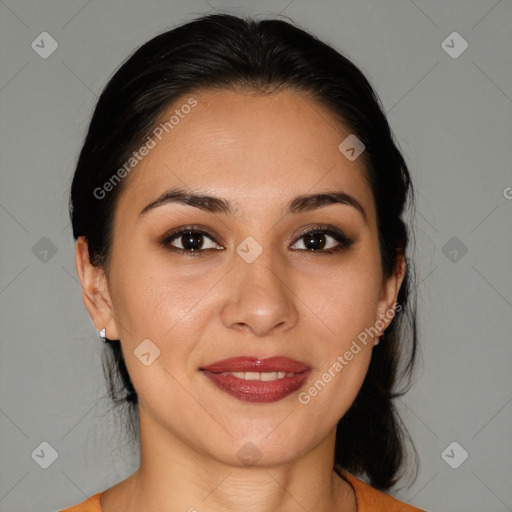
(381,337)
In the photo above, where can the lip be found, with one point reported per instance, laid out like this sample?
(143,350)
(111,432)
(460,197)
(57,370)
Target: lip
(253,364)
(257,391)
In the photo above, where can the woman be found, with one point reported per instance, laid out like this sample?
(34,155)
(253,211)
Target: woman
(237,209)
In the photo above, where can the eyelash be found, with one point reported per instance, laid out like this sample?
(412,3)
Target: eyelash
(344,241)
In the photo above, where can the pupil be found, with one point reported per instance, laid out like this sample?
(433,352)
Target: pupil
(191,241)
(315,241)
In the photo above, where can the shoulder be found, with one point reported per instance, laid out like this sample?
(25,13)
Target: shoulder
(91,504)
(370,499)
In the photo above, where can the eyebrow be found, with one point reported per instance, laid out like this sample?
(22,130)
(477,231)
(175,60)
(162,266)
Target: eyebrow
(212,204)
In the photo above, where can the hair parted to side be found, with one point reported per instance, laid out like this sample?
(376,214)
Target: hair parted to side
(226,52)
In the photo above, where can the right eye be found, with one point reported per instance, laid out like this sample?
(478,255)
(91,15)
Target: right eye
(190,241)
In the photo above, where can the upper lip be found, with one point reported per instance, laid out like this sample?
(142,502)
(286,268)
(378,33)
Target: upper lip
(254,364)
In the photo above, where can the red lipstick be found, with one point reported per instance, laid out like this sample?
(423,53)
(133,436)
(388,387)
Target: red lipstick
(250,379)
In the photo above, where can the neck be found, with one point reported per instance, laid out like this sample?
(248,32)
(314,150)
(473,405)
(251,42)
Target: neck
(172,476)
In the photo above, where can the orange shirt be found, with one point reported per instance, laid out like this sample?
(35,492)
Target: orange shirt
(368,499)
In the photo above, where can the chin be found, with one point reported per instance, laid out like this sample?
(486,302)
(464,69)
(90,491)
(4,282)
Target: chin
(257,452)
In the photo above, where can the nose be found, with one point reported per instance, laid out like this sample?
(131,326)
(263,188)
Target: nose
(260,298)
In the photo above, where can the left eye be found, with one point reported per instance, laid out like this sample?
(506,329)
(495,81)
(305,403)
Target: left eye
(316,241)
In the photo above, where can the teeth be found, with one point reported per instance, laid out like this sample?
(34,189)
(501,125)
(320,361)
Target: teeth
(259,375)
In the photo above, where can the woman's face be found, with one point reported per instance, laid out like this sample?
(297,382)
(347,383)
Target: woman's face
(255,287)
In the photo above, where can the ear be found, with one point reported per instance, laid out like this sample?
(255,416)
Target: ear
(95,293)
(390,288)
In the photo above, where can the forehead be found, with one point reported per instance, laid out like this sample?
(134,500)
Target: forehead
(257,151)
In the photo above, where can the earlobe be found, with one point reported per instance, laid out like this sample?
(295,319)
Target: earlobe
(95,292)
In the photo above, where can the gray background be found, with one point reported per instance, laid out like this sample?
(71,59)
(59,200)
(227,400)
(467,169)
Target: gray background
(453,120)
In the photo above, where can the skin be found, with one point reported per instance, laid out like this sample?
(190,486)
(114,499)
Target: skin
(257,152)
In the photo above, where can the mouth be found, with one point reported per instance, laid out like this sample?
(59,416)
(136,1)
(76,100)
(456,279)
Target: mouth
(250,379)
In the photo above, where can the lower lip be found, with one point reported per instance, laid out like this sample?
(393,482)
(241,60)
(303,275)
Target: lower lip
(257,391)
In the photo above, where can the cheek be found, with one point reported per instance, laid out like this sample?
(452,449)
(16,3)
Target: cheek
(346,305)
(343,353)
(153,302)
(151,295)
(346,298)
